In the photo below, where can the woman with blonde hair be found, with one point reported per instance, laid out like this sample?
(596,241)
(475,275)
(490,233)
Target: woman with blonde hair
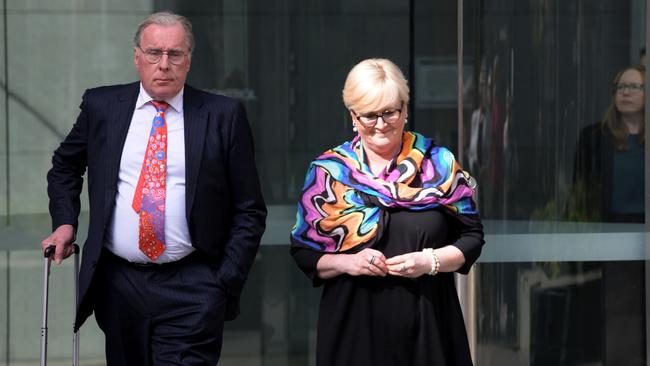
(383,222)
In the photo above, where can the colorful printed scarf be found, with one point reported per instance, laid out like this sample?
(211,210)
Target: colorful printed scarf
(341,202)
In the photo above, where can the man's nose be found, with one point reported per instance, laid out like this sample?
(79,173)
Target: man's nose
(164,62)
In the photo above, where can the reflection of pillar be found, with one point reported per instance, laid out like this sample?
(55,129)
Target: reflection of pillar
(7,312)
(235,41)
(624,321)
(208,26)
(275,306)
(527,279)
(557,322)
(269,47)
(467,295)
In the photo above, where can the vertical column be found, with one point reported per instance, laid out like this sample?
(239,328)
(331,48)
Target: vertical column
(647,186)
(466,284)
(5,84)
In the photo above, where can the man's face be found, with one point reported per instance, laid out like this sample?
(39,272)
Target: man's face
(163,79)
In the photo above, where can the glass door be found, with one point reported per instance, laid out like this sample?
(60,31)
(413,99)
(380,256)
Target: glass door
(554,132)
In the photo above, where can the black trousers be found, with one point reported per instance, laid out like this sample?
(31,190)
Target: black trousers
(171,314)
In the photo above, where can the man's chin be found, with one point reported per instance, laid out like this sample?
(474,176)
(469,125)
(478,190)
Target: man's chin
(163,92)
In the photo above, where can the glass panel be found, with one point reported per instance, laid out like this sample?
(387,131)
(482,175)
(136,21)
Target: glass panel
(435,88)
(3,118)
(78,46)
(563,271)
(298,55)
(286,60)
(4,306)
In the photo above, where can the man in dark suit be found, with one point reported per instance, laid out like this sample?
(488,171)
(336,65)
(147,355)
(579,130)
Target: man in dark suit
(176,212)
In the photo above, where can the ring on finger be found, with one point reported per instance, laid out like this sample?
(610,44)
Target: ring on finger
(402,268)
(372,260)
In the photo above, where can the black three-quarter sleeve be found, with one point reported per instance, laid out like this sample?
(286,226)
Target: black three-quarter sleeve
(307,260)
(466,234)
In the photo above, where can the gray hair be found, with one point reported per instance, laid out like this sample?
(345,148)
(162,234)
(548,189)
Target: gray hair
(165,18)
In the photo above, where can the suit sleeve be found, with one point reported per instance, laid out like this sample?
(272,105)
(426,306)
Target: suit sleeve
(249,209)
(65,178)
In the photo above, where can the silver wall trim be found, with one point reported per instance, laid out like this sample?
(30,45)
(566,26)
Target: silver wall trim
(466,284)
(647,182)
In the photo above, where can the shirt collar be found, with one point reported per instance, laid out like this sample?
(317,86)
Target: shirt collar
(175,102)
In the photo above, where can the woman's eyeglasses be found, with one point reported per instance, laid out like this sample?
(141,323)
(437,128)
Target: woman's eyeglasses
(370,119)
(629,88)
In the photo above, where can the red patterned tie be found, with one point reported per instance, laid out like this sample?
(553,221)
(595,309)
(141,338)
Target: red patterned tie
(149,198)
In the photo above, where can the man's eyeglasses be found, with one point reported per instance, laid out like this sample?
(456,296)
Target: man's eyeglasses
(154,55)
(629,88)
(370,119)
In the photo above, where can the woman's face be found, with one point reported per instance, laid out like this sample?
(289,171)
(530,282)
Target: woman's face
(630,93)
(385,136)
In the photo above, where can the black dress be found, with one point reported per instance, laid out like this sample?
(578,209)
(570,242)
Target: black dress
(390,320)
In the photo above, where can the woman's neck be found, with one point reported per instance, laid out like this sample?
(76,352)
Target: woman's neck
(378,160)
(633,122)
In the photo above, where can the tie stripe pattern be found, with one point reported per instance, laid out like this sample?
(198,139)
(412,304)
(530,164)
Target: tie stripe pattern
(149,198)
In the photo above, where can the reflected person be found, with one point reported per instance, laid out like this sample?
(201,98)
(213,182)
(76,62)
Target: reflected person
(176,211)
(608,181)
(608,186)
(383,221)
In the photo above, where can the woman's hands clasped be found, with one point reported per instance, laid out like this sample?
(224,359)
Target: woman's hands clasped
(371,262)
(410,265)
(368,262)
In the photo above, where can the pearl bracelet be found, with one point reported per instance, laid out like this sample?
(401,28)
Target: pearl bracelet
(435,261)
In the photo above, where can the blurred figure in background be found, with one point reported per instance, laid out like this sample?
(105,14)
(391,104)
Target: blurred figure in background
(608,180)
(608,186)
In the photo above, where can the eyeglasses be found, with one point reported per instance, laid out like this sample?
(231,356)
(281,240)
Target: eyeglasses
(154,55)
(629,88)
(370,119)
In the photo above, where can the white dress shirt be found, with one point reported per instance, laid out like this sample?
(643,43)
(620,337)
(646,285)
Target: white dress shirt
(122,235)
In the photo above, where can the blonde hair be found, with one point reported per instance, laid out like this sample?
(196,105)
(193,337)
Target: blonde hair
(374,83)
(612,119)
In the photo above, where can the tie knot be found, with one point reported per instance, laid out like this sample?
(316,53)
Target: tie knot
(161,106)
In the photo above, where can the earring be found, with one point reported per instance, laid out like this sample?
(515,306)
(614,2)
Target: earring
(406,120)
(354,127)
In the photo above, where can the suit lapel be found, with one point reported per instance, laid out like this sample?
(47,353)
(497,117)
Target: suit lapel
(119,115)
(196,122)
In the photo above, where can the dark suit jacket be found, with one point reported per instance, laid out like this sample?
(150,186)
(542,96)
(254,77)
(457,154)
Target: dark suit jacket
(225,209)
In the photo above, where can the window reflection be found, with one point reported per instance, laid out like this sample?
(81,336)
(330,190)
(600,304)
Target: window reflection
(608,181)
(492,152)
(608,185)
(543,76)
